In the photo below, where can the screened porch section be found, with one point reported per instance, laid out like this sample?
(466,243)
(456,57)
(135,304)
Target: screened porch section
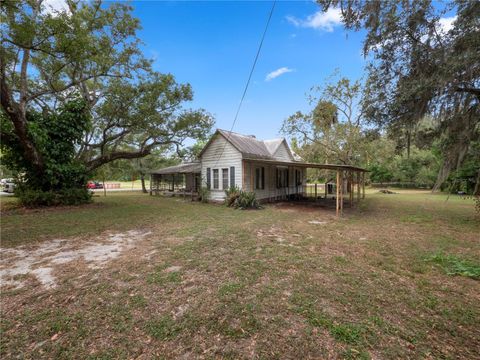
(179,180)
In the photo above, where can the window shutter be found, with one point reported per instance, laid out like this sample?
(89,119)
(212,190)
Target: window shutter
(232,176)
(263,178)
(288,173)
(208,178)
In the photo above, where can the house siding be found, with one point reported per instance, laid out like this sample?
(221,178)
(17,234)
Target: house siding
(220,154)
(282,153)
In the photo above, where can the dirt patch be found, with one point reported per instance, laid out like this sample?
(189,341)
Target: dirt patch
(316,222)
(321,209)
(173,269)
(41,261)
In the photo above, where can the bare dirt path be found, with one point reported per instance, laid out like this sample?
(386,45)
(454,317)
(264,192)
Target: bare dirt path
(19,264)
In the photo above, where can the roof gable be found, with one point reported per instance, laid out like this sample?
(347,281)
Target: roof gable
(251,147)
(247,145)
(283,151)
(272,145)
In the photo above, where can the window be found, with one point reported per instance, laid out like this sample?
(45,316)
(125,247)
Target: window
(260,178)
(298,177)
(232,176)
(209,186)
(282,178)
(224,179)
(215,178)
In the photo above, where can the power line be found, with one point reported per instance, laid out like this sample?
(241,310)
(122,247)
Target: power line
(249,77)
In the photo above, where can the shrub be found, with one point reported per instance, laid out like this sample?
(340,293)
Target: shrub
(240,199)
(231,195)
(33,198)
(246,200)
(380,173)
(204,194)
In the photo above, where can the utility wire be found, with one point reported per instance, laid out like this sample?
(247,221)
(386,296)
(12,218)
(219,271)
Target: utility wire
(249,77)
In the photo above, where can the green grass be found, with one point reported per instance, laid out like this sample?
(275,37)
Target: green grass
(159,277)
(229,289)
(377,283)
(454,265)
(163,328)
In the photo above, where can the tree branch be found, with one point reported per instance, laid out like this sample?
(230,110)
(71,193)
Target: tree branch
(470,90)
(19,121)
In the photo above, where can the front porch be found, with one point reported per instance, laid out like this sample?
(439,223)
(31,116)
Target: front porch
(179,180)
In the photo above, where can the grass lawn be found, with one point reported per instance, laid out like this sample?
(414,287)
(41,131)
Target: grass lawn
(396,278)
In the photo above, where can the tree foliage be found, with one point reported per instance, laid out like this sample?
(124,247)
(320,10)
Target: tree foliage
(418,67)
(56,137)
(90,51)
(332,131)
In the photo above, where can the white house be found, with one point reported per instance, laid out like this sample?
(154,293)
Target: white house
(231,159)
(267,167)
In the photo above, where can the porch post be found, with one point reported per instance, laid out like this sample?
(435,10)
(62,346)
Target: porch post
(194,182)
(358,186)
(351,188)
(151,178)
(251,177)
(363,185)
(342,188)
(244,173)
(338,194)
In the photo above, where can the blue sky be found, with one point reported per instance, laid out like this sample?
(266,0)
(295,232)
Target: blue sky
(212,45)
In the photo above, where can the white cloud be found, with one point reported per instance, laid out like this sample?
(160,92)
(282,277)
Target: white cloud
(325,21)
(54,7)
(276,73)
(446,24)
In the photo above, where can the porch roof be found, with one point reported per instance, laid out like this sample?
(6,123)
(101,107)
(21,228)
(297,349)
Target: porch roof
(310,165)
(193,167)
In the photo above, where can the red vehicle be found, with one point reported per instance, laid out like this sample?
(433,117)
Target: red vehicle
(94,185)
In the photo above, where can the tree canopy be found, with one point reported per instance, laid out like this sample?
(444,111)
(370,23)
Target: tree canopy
(90,51)
(422,61)
(332,131)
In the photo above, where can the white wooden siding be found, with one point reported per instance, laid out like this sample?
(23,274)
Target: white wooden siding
(214,158)
(282,153)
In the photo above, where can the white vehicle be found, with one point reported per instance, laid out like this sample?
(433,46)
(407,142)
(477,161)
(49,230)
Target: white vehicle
(8,186)
(4,181)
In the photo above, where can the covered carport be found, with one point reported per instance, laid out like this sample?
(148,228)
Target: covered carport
(349,181)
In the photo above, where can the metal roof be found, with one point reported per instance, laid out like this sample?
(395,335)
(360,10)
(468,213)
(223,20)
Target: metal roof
(247,145)
(310,165)
(193,167)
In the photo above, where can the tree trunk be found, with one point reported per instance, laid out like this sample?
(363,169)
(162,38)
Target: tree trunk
(19,122)
(142,178)
(408,144)
(476,191)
